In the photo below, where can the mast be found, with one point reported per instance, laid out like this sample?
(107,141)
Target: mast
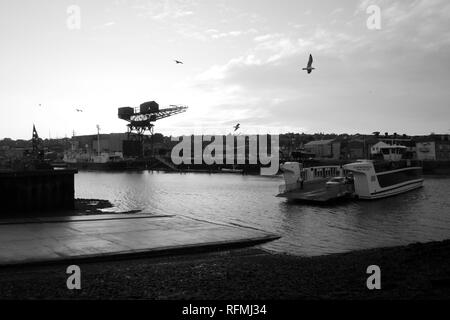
(98,140)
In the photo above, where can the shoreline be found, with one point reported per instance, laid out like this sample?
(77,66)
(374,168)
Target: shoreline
(81,207)
(415,271)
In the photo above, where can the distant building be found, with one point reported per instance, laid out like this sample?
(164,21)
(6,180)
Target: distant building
(324,149)
(354,149)
(16,153)
(426,150)
(376,148)
(112,142)
(433,147)
(442,147)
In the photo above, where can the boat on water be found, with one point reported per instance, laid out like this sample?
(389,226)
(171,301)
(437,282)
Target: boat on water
(301,179)
(389,174)
(363,179)
(316,184)
(374,180)
(102,161)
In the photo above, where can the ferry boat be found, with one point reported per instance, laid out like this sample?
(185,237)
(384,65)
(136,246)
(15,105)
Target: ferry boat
(363,179)
(102,161)
(312,183)
(388,176)
(374,180)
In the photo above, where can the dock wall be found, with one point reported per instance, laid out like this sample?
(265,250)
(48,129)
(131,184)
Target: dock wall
(36,191)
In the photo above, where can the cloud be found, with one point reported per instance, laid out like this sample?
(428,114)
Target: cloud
(267,37)
(215,34)
(179,14)
(357,70)
(166,9)
(422,24)
(336,11)
(105,25)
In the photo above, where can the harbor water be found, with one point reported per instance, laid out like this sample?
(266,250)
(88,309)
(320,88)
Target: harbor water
(418,216)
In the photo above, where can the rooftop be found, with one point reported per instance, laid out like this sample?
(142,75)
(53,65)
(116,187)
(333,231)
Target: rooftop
(319,142)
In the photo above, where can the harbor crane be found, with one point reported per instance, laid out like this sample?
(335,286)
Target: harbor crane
(141,120)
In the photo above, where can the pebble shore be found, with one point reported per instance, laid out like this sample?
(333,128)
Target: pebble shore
(417,271)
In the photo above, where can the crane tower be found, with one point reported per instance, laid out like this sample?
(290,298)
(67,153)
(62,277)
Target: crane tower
(141,120)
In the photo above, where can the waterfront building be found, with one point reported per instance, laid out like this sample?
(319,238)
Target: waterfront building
(112,142)
(433,147)
(324,149)
(376,148)
(426,150)
(442,145)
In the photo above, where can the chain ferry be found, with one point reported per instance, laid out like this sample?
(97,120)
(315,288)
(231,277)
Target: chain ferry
(364,179)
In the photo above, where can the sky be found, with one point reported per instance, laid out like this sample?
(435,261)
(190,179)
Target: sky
(242,63)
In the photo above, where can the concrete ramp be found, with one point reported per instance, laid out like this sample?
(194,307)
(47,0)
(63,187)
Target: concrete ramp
(47,240)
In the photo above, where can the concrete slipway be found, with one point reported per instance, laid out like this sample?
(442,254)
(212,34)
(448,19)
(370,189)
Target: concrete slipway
(95,237)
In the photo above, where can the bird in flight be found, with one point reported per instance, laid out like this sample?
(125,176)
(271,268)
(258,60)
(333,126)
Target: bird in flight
(237,126)
(309,67)
(79,110)
(178,61)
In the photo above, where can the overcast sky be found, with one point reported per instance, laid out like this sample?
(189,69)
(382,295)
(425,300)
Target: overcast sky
(242,63)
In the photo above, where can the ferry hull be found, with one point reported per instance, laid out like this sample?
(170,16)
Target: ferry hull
(394,190)
(324,194)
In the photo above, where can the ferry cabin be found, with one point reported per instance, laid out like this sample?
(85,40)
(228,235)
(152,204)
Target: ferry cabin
(388,152)
(323,172)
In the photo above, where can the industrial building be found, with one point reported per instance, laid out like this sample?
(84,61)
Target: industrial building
(324,149)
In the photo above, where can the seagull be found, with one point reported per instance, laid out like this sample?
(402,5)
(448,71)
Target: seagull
(309,68)
(79,110)
(178,61)
(237,126)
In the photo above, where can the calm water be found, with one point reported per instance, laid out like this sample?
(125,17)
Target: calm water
(418,216)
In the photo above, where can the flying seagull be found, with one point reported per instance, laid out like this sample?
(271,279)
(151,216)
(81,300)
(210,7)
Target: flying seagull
(178,61)
(79,110)
(309,68)
(237,126)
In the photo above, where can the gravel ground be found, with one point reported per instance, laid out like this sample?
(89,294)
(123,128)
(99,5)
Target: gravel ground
(418,271)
